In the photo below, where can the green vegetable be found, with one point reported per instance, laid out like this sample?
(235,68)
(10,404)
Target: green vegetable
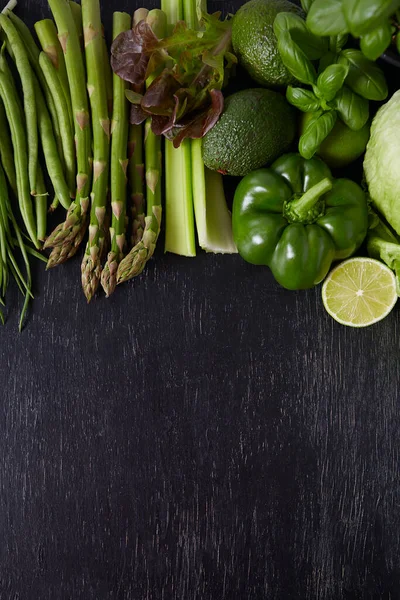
(33,53)
(67,237)
(96,248)
(370,20)
(15,117)
(64,122)
(374,43)
(11,241)
(325,17)
(41,205)
(255,43)
(179,234)
(295,60)
(352,108)
(6,151)
(384,245)
(47,35)
(52,159)
(346,81)
(316,131)
(381,163)
(119,166)
(331,81)
(134,263)
(28,88)
(188,71)
(364,77)
(364,15)
(296,219)
(312,45)
(256,127)
(343,145)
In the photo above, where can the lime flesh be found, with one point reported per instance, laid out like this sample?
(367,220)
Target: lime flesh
(359,292)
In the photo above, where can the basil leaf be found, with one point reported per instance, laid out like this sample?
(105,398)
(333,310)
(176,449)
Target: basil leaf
(329,58)
(398,42)
(312,45)
(295,59)
(316,131)
(364,15)
(374,43)
(341,41)
(306,5)
(365,77)
(331,80)
(304,100)
(352,109)
(326,18)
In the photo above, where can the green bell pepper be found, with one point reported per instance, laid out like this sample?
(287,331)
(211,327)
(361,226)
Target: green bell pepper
(296,219)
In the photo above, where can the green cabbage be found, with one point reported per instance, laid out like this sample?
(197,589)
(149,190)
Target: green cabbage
(382,161)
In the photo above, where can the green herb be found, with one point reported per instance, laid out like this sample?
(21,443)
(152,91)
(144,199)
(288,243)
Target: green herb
(341,86)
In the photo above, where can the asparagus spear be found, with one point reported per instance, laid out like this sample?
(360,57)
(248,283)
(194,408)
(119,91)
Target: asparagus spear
(134,263)
(136,164)
(119,165)
(136,182)
(97,244)
(70,233)
(108,75)
(179,235)
(76,10)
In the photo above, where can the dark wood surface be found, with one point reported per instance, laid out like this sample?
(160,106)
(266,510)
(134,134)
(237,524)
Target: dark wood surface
(202,435)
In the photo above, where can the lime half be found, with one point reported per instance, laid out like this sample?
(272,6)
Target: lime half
(359,292)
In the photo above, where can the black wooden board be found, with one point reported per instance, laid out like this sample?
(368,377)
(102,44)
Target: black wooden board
(202,435)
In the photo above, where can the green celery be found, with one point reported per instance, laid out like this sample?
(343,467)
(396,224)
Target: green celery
(213,219)
(180,235)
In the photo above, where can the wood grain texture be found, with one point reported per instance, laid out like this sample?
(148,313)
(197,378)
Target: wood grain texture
(202,435)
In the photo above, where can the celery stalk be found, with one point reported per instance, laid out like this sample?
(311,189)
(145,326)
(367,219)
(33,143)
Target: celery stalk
(213,219)
(180,234)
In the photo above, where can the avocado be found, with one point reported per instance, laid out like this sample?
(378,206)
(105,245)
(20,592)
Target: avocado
(255,128)
(255,43)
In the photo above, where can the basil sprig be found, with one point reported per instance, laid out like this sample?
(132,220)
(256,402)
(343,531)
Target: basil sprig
(342,84)
(370,20)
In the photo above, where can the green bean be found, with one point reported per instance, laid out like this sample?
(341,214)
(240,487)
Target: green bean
(67,134)
(49,145)
(47,34)
(15,118)
(6,151)
(26,76)
(33,52)
(41,205)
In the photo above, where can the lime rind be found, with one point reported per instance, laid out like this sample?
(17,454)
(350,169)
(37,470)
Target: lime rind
(359,292)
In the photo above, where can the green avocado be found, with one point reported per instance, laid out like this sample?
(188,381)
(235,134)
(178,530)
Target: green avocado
(255,43)
(256,127)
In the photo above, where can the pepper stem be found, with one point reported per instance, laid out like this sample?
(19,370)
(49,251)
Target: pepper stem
(302,206)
